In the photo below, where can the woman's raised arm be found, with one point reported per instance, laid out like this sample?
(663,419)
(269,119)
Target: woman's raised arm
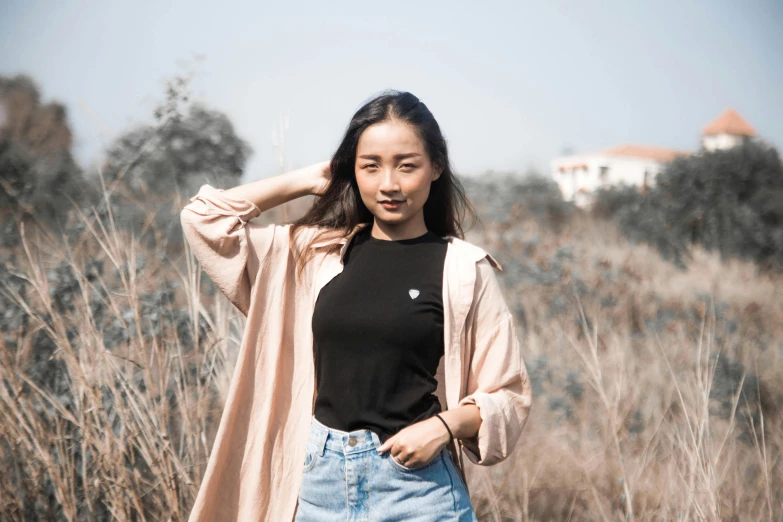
(271,192)
(230,249)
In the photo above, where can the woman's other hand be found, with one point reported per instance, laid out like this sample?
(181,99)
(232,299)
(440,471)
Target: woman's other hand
(321,177)
(417,444)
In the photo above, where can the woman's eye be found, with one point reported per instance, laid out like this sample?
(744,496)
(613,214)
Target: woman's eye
(404,165)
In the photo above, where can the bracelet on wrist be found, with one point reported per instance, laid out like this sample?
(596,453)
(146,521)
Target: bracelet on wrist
(451,435)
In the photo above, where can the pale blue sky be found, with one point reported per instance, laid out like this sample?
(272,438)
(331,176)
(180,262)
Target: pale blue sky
(511,83)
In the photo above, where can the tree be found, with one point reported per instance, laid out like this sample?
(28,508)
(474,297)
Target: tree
(179,155)
(730,201)
(39,178)
(150,169)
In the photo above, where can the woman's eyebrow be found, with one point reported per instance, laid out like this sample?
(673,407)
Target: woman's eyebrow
(396,156)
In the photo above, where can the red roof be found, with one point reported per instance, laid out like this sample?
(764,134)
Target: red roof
(641,151)
(730,122)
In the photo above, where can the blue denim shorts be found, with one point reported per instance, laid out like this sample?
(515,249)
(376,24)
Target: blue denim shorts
(346,479)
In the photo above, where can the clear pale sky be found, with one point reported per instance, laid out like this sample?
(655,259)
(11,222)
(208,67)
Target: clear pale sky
(510,83)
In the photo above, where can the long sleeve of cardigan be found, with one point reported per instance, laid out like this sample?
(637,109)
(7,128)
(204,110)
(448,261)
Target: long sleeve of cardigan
(230,249)
(498,382)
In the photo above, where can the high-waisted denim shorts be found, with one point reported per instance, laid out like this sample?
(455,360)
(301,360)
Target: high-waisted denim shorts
(346,479)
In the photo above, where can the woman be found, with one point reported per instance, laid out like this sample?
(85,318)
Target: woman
(368,304)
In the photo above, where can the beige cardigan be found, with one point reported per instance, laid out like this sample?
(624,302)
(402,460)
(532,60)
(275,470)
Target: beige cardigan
(255,468)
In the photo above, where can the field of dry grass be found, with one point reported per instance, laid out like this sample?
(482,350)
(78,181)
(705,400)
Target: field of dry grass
(657,391)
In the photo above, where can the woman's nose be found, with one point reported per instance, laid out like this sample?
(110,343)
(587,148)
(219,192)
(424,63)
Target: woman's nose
(389,182)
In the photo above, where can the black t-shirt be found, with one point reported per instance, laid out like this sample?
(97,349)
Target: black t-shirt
(378,335)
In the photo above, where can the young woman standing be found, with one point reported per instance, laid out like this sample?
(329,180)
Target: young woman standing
(387,325)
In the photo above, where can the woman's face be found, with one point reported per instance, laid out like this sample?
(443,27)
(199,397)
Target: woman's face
(392,165)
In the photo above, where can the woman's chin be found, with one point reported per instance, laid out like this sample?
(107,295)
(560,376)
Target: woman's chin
(390,216)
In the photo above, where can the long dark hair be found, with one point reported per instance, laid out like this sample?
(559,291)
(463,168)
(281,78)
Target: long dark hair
(340,208)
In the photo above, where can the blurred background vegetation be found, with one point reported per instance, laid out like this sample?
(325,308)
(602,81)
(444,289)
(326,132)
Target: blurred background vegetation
(651,324)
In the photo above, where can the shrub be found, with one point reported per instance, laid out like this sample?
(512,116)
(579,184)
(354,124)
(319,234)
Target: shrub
(730,201)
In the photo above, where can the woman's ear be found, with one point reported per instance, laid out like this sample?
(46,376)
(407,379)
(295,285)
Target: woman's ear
(437,170)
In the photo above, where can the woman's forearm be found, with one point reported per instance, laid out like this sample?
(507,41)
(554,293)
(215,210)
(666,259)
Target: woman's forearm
(270,192)
(463,421)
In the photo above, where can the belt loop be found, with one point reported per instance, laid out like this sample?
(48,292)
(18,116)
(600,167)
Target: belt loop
(375,438)
(323,434)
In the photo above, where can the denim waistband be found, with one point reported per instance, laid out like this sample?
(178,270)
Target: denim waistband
(347,442)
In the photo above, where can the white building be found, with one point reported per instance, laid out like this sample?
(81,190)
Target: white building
(578,176)
(726,131)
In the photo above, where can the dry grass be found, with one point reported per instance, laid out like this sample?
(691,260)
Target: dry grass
(646,439)
(626,422)
(130,432)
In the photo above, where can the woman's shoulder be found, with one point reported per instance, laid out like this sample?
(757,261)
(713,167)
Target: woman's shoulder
(303,234)
(321,235)
(319,240)
(474,252)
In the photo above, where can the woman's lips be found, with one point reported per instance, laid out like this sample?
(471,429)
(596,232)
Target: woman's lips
(391,205)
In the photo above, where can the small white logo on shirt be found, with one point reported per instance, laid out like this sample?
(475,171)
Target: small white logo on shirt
(413,293)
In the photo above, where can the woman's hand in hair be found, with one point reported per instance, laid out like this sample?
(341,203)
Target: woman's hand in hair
(322,176)
(417,444)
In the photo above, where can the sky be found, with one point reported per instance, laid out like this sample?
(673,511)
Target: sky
(511,84)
